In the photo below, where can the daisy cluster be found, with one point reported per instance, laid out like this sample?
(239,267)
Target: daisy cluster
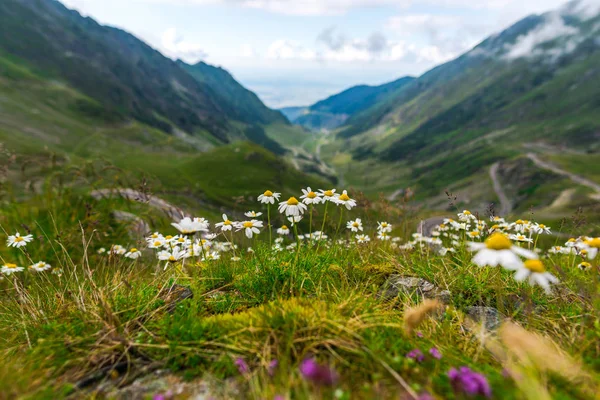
(497,242)
(19,241)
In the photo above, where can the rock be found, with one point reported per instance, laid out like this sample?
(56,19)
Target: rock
(138,228)
(490,317)
(397,284)
(174,295)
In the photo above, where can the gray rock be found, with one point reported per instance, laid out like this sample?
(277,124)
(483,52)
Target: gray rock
(397,284)
(489,317)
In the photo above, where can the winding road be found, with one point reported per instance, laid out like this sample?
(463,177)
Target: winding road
(505,204)
(575,178)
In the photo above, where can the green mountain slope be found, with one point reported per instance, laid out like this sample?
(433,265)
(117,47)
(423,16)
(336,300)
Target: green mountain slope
(536,83)
(335,110)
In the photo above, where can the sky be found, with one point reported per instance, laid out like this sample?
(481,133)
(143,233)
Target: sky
(296,52)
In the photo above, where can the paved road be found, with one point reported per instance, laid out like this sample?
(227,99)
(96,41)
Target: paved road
(505,204)
(557,170)
(173,212)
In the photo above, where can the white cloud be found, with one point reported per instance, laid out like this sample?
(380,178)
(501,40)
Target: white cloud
(283,49)
(247,51)
(175,46)
(553,27)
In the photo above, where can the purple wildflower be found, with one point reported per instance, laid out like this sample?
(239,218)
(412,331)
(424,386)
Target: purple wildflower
(279,397)
(242,366)
(419,334)
(435,353)
(272,367)
(416,355)
(159,397)
(318,374)
(425,396)
(470,382)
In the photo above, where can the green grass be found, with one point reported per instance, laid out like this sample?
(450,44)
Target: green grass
(285,306)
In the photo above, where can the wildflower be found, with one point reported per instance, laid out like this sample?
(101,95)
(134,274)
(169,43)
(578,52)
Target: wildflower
(592,246)
(536,272)
(252,214)
(355,225)
(520,225)
(268,197)
(17,240)
(155,236)
(435,353)
(156,244)
(466,216)
(235,258)
(272,367)
(292,207)
(40,266)
(497,249)
(560,250)
(445,250)
(133,253)
(345,200)
(310,197)
(242,366)
(250,227)
(250,250)
(363,238)
(584,266)
(226,225)
(384,227)
(10,268)
(188,226)
(383,236)
(416,355)
(101,250)
(469,382)
(174,255)
(284,230)
(328,195)
(318,374)
(540,229)
(474,234)
(295,219)
(117,249)
(58,272)
(497,220)
(211,256)
(521,238)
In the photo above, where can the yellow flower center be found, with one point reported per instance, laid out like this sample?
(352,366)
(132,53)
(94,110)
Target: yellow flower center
(467,212)
(535,266)
(328,193)
(227,222)
(355,224)
(498,241)
(169,237)
(247,224)
(593,242)
(496,226)
(10,265)
(157,243)
(19,239)
(154,235)
(442,226)
(519,222)
(571,240)
(181,240)
(172,258)
(542,226)
(268,193)
(133,250)
(292,201)
(284,227)
(474,233)
(583,251)
(585,265)
(521,237)
(311,195)
(344,197)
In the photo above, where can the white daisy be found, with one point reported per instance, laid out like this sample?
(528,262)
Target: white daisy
(235,258)
(226,225)
(474,234)
(101,250)
(592,246)
(363,238)
(252,214)
(498,250)
(328,195)
(157,243)
(211,256)
(541,229)
(497,220)
(250,227)
(268,197)
(292,207)
(133,253)
(584,266)
(355,225)
(345,200)
(520,226)
(117,249)
(284,230)
(445,250)
(536,272)
(17,240)
(40,266)
(174,255)
(188,226)
(383,236)
(310,197)
(154,237)
(466,215)
(295,219)
(384,227)
(521,238)
(10,268)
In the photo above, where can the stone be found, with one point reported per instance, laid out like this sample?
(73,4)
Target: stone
(397,284)
(490,317)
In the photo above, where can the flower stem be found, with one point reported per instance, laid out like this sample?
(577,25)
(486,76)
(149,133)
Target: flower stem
(269,223)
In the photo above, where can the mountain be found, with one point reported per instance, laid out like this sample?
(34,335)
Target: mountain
(534,85)
(335,110)
(126,78)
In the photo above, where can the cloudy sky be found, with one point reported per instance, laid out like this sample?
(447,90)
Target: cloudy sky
(295,52)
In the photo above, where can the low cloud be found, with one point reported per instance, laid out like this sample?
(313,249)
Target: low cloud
(175,46)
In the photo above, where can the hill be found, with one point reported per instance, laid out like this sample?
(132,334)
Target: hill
(335,110)
(445,129)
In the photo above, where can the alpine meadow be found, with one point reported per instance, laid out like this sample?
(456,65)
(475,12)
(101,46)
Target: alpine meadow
(407,207)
